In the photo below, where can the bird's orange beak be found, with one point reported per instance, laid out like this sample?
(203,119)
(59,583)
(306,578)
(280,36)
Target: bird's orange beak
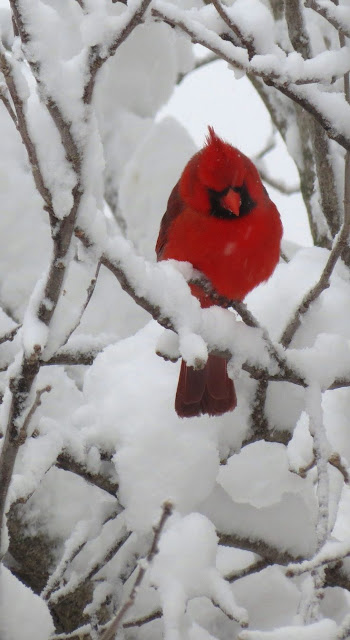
(231,202)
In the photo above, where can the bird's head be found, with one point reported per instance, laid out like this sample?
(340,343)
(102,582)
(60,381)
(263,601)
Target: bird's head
(213,182)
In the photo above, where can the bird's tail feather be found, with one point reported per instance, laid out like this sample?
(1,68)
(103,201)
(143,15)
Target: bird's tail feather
(207,390)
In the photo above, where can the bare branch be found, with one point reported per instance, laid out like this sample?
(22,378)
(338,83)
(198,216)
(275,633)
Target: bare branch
(139,622)
(113,628)
(255,567)
(279,185)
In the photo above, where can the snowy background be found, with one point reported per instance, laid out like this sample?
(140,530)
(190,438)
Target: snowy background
(254,495)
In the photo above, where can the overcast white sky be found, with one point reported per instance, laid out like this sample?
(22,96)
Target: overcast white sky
(212,95)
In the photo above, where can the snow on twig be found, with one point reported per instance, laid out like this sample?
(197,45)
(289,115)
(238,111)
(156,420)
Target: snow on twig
(131,18)
(324,281)
(283,78)
(112,629)
(10,335)
(337,17)
(103,556)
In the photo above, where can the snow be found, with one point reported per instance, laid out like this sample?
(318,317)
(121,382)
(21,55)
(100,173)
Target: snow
(192,539)
(115,419)
(259,476)
(29,619)
(260,29)
(322,630)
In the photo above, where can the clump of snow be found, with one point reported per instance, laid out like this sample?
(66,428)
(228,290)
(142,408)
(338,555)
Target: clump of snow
(287,525)
(168,345)
(185,568)
(300,447)
(259,475)
(271,599)
(29,619)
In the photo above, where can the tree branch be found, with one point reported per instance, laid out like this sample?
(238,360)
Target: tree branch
(198,34)
(324,281)
(66,462)
(111,631)
(329,12)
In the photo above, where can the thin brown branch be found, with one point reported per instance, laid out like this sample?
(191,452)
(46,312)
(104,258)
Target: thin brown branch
(329,14)
(289,89)
(7,104)
(10,335)
(139,622)
(66,462)
(97,60)
(62,593)
(246,42)
(268,553)
(21,124)
(66,561)
(279,185)
(255,567)
(334,460)
(89,292)
(72,358)
(114,626)
(324,281)
(37,402)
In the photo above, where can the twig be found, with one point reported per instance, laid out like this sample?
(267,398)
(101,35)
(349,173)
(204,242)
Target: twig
(334,460)
(255,567)
(67,463)
(246,42)
(61,593)
(197,33)
(341,550)
(333,258)
(8,106)
(10,335)
(139,622)
(70,553)
(329,13)
(21,124)
(37,402)
(270,554)
(97,60)
(279,185)
(113,627)
(71,358)
(89,292)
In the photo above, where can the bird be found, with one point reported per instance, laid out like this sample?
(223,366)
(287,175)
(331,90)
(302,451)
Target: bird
(220,218)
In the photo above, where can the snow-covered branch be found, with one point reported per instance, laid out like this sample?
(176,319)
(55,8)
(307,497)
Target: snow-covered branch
(338,17)
(112,629)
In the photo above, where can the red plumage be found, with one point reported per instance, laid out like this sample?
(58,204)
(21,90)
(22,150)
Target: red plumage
(220,218)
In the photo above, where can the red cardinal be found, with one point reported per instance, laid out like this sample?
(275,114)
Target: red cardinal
(220,218)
